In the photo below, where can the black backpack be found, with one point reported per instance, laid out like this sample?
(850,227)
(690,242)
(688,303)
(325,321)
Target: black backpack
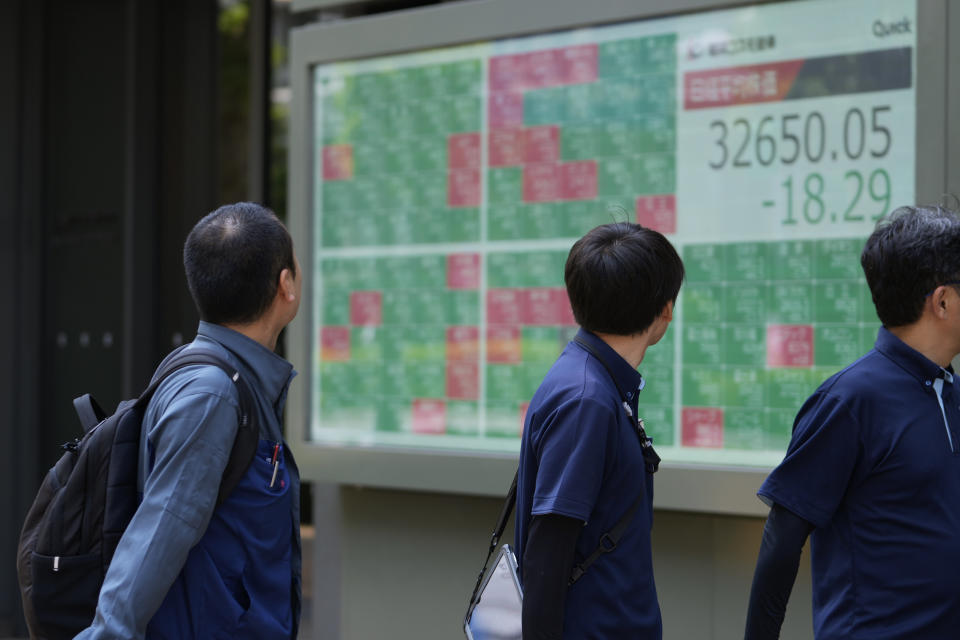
(87,499)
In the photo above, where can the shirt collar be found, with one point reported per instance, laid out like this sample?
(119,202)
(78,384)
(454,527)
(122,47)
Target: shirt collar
(628,378)
(911,360)
(271,372)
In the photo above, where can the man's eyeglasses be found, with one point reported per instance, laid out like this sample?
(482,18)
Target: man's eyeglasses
(943,284)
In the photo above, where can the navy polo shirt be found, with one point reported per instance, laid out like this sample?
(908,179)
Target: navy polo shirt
(874,464)
(580,457)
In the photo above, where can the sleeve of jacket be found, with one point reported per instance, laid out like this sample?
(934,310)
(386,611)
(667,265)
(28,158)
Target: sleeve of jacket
(191,443)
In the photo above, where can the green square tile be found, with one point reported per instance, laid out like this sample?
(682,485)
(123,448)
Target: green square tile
(397,385)
(540,344)
(463,307)
(659,424)
(659,387)
(744,429)
(789,388)
(779,428)
(423,343)
(790,303)
(397,307)
(430,306)
(615,177)
(336,307)
(334,378)
(656,173)
(704,263)
(542,268)
(658,54)
(463,418)
(579,142)
(430,81)
(506,221)
(428,153)
(746,261)
(367,378)
(428,379)
(615,99)
(503,419)
(581,103)
(466,110)
(464,76)
(505,382)
(791,260)
(658,93)
(393,415)
(746,303)
(702,386)
(464,224)
(745,345)
(746,387)
(836,302)
(702,344)
(836,345)
(503,270)
(655,133)
(366,344)
(618,58)
(662,353)
(544,106)
(504,186)
(838,259)
(615,139)
(703,303)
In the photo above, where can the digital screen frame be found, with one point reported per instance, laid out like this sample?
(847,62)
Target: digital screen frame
(725,111)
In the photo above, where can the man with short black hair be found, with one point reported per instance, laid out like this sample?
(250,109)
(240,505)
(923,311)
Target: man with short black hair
(872,473)
(187,567)
(585,483)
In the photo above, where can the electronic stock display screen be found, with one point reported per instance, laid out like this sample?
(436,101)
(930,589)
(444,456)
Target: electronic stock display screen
(449,185)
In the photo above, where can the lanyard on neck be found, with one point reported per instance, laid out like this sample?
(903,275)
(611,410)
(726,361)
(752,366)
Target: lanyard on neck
(650,457)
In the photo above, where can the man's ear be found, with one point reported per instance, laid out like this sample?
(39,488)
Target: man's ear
(667,313)
(287,286)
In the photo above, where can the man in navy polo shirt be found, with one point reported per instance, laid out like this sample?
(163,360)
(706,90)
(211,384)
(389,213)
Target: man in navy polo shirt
(585,463)
(873,468)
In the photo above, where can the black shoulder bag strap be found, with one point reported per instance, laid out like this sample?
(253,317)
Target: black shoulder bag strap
(248,434)
(609,540)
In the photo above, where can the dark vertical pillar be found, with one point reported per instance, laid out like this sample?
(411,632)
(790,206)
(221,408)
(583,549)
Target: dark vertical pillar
(258,166)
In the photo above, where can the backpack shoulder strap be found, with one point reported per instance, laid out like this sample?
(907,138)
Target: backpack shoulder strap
(248,432)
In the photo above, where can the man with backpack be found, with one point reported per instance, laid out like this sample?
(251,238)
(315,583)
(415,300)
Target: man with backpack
(189,565)
(585,482)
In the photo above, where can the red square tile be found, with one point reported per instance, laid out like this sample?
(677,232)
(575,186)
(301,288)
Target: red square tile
(505,147)
(508,73)
(702,427)
(335,344)
(543,68)
(578,180)
(504,306)
(463,187)
(578,64)
(505,109)
(790,345)
(366,308)
(338,161)
(463,271)
(463,150)
(658,213)
(541,182)
(463,343)
(463,380)
(541,144)
(429,416)
(503,344)
(547,306)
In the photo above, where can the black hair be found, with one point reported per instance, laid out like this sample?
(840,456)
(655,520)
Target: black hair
(909,254)
(233,259)
(620,276)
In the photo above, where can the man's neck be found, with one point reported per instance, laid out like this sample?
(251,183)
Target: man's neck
(631,348)
(259,331)
(920,337)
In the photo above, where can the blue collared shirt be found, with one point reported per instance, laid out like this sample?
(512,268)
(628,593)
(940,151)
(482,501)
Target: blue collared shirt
(874,464)
(580,457)
(188,433)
